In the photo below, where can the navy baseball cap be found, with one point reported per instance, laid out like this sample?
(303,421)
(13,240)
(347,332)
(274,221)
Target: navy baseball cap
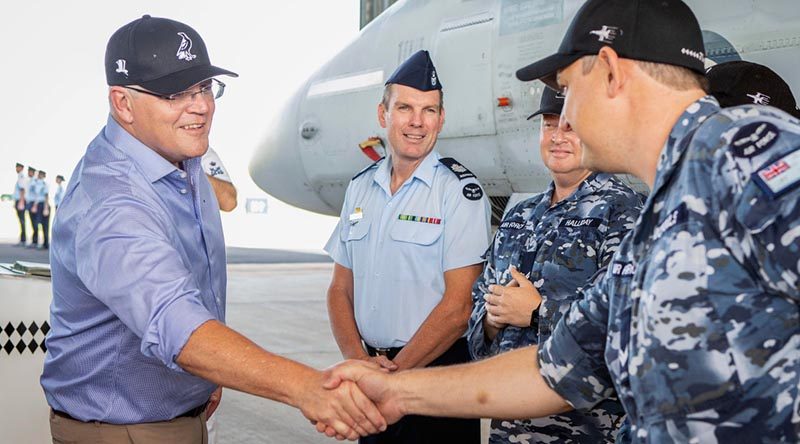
(741,83)
(552,102)
(417,72)
(660,31)
(159,54)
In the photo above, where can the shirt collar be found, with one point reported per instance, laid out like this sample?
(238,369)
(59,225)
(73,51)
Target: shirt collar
(694,115)
(424,171)
(152,165)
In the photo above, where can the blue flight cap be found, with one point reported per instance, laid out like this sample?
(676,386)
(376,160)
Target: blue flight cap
(417,72)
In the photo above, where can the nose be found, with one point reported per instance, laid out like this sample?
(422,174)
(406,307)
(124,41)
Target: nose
(276,166)
(199,103)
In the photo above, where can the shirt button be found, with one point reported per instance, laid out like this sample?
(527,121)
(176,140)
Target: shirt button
(184,191)
(183,175)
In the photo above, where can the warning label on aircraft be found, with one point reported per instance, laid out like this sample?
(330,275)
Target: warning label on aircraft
(524,15)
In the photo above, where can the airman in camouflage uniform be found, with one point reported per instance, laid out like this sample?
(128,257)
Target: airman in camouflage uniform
(696,324)
(561,246)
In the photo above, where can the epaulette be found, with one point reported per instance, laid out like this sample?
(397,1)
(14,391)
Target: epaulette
(368,168)
(459,170)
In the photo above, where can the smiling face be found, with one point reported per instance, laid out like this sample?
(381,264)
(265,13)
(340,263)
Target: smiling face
(560,148)
(413,120)
(175,132)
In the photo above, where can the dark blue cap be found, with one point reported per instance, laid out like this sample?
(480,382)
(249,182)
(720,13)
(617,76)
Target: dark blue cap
(417,72)
(552,103)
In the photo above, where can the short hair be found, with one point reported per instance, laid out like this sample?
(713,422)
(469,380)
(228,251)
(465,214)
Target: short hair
(387,97)
(60,177)
(672,76)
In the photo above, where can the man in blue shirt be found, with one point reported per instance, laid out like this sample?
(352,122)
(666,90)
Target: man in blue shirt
(138,348)
(19,202)
(30,197)
(695,325)
(408,248)
(59,194)
(41,210)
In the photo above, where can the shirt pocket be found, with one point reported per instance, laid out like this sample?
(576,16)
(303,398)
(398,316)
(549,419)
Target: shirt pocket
(355,239)
(417,233)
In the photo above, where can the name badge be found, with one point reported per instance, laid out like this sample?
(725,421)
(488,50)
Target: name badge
(356,216)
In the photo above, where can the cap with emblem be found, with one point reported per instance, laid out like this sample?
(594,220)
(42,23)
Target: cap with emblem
(742,83)
(663,31)
(552,103)
(159,54)
(417,72)
(19,165)
(31,169)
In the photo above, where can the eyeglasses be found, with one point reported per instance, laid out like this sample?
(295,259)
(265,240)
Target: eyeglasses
(214,89)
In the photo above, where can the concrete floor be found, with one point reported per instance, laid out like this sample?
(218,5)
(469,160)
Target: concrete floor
(282,308)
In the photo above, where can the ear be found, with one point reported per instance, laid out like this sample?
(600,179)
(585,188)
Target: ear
(441,118)
(121,103)
(382,115)
(614,71)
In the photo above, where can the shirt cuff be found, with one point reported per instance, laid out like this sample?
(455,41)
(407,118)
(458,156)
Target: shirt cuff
(167,336)
(579,377)
(479,347)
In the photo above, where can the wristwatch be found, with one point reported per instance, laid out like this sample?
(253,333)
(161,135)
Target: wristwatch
(534,316)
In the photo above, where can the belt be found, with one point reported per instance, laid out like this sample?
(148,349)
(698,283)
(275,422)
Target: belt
(192,413)
(390,352)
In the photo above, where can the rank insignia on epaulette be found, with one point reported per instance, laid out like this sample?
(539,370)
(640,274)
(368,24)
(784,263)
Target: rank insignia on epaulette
(459,170)
(423,219)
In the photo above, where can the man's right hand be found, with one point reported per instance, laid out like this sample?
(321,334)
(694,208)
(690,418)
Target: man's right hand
(375,384)
(343,411)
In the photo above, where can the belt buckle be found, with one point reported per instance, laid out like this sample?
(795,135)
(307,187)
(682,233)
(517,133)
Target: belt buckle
(381,351)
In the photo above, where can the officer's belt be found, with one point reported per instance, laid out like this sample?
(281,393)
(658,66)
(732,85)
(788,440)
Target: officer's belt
(390,352)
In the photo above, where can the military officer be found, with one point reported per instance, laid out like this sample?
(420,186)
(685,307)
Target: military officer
(695,325)
(19,201)
(41,208)
(562,239)
(30,207)
(407,249)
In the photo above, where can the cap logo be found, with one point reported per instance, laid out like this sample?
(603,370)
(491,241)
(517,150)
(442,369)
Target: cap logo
(121,67)
(760,98)
(185,48)
(607,34)
(433,78)
(696,54)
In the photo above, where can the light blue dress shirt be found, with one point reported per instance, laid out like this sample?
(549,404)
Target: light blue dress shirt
(399,246)
(59,196)
(20,185)
(38,190)
(138,263)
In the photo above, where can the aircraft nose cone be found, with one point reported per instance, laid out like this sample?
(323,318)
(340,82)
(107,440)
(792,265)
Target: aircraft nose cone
(277,166)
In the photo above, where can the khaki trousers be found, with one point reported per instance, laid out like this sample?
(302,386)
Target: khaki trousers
(176,431)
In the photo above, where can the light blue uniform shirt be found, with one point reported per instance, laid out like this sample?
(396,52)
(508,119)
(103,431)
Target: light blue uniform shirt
(22,184)
(138,263)
(59,194)
(38,190)
(398,257)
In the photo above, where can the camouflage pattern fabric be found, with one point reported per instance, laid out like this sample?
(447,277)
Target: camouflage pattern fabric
(562,248)
(695,324)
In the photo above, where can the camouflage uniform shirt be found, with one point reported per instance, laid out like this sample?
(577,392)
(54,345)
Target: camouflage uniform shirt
(695,324)
(562,248)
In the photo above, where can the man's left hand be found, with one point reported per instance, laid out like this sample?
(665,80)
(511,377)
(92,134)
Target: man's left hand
(213,402)
(513,304)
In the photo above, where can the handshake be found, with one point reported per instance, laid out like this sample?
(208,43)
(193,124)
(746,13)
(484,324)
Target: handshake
(356,399)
